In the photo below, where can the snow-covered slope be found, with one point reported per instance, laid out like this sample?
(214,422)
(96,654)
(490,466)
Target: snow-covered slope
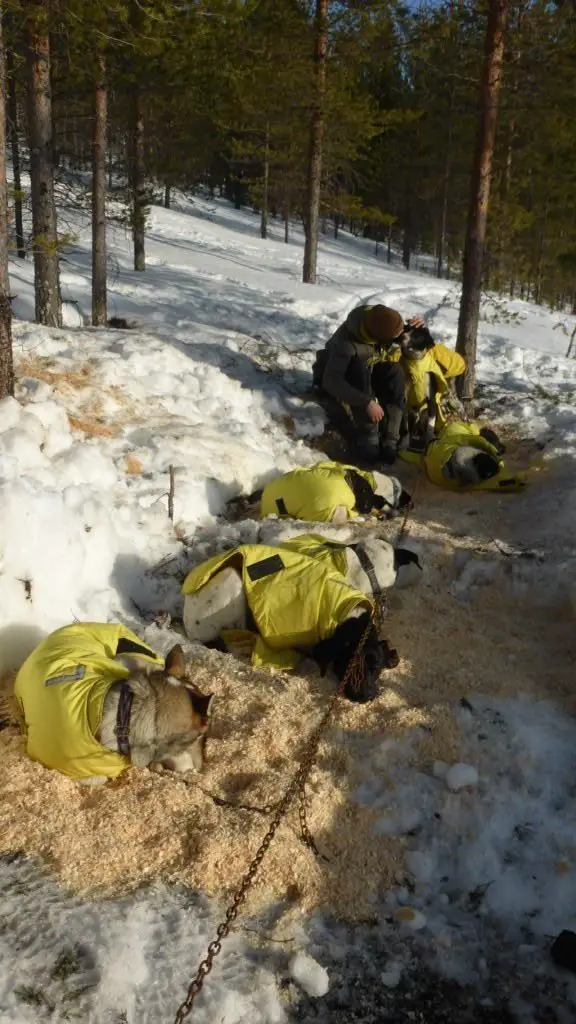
(211,379)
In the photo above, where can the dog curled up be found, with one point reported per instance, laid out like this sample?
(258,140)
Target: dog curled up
(468,456)
(95,699)
(333,492)
(280,602)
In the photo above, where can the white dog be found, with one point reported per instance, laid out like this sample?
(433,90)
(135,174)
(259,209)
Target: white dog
(372,565)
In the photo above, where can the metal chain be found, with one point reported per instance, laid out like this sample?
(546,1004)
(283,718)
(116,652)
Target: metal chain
(297,786)
(352,675)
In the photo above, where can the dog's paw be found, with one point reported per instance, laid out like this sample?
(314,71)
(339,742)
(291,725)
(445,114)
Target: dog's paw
(390,656)
(363,692)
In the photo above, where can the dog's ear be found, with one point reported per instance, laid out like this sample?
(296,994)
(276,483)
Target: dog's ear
(139,678)
(175,663)
(202,705)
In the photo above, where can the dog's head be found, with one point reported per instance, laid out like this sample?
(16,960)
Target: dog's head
(404,556)
(169,726)
(416,342)
(339,650)
(485,465)
(390,493)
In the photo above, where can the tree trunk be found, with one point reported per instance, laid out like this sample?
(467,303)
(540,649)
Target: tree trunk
(99,309)
(571,342)
(540,260)
(336,225)
(166,196)
(406,248)
(445,190)
(315,148)
(138,181)
(6,363)
(480,197)
(44,225)
(15,151)
(265,180)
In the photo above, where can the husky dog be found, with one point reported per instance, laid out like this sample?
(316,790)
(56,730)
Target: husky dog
(85,717)
(169,717)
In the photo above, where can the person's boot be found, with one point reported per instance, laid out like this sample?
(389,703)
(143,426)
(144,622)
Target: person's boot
(390,434)
(366,446)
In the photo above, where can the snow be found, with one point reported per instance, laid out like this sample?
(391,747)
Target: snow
(310,975)
(212,380)
(461,775)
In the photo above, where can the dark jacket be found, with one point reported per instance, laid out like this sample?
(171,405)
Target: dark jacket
(333,360)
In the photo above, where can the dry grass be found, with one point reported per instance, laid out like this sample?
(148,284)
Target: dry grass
(92,409)
(91,427)
(133,465)
(41,367)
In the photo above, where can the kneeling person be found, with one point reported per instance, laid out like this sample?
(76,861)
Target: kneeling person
(361,383)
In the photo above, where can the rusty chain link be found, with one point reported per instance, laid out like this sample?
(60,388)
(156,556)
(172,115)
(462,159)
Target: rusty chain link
(297,784)
(352,675)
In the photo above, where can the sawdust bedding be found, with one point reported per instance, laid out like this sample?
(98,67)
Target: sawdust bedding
(109,840)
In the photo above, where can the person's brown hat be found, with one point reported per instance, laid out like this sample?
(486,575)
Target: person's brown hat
(383,324)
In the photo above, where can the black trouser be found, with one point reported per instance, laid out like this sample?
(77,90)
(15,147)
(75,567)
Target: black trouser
(388,387)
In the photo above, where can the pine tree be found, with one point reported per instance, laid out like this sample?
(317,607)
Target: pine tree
(45,240)
(480,196)
(99,303)
(6,362)
(14,146)
(317,125)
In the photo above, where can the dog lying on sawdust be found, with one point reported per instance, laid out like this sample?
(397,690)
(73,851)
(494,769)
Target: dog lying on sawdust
(94,699)
(306,595)
(333,492)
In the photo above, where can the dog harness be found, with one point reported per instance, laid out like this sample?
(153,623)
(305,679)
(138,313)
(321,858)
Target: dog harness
(61,689)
